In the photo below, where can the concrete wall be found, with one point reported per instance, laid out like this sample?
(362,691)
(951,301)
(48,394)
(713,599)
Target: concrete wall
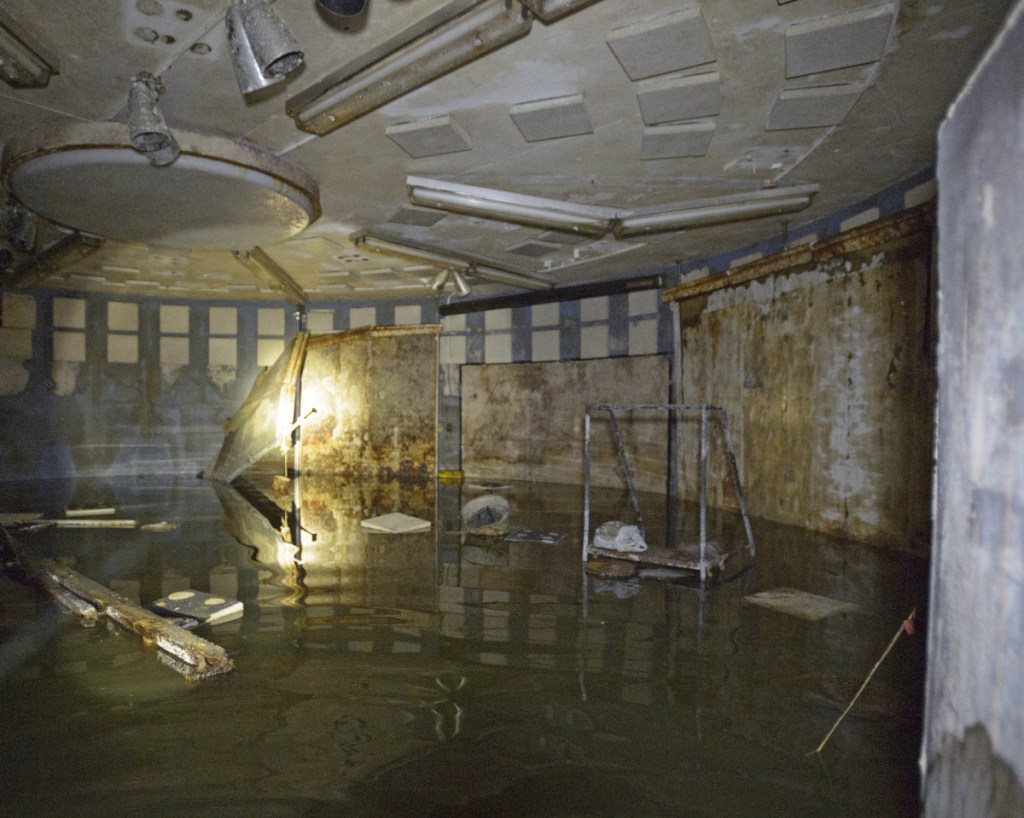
(826,371)
(525,421)
(974,724)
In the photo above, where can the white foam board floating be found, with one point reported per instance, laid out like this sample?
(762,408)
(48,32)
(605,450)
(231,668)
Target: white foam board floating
(800,603)
(395,523)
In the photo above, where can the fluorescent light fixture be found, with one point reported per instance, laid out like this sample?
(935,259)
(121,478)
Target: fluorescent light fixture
(452,262)
(719,210)
(514,207)
(24,61)
(452,37)
(147,131)
(263,50)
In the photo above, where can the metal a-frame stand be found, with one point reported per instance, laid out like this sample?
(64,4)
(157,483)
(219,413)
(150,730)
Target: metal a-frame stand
(706,410)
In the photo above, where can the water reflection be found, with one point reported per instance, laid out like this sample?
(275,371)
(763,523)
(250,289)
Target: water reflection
(459,673)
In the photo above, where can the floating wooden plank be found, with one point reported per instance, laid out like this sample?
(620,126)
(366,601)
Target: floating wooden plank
(106,511)
(202,658)
(91,523)
(19,517)
(800,603)
(666,557)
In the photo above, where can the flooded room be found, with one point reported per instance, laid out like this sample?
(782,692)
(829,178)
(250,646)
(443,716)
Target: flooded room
(535,408)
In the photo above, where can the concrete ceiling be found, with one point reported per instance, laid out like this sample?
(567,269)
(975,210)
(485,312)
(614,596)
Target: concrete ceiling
(623,104)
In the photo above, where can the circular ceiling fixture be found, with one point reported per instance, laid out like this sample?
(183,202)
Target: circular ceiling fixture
(219,194)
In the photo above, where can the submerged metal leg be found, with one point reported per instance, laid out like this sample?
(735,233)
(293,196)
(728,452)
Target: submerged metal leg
(586,482)
(629,473)
(703,493)
(736,481)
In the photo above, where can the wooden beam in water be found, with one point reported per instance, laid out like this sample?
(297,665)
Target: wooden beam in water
(203,658)
(86,522)
(665,557)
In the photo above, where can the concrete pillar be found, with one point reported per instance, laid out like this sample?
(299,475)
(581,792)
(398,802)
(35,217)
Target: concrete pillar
(974,723)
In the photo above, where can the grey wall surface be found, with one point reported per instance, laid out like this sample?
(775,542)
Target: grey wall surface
(975,720)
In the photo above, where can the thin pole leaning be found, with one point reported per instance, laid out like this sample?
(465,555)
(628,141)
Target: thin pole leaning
(904,626)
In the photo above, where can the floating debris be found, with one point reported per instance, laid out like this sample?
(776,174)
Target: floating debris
(395,523)
(105,511)
(610,568)
(197,657)
(206,608)
(486,510)
(20,517)
(800,603)
(92,523)
(529,535)
(618,536)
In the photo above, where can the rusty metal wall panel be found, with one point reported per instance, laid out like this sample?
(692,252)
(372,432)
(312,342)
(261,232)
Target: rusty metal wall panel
(375,395)
(525,421)
(264,418)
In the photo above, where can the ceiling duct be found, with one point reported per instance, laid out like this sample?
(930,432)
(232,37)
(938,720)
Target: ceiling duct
(24,61)
(147,130)
(455,35)
(263,50)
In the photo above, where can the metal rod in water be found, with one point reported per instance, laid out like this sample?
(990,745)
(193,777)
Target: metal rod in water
(586,481)
(629,472)
(740,500)
(703,492)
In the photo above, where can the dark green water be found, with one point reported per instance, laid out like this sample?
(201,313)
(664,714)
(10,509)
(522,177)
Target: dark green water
(440,674)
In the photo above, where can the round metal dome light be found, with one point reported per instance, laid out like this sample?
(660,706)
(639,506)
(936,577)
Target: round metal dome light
(218,194)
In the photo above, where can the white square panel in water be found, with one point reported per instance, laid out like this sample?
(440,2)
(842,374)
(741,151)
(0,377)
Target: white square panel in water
(800,603)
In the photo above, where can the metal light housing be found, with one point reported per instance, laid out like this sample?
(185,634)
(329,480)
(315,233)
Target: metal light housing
(263,50)
(147,130)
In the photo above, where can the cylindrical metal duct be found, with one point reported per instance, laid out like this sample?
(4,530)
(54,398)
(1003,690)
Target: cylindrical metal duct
(276,51)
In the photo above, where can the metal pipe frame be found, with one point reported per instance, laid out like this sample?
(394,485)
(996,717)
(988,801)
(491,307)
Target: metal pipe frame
(672,408)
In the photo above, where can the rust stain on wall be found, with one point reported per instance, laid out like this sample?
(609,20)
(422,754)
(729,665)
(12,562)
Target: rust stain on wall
(828,378)
(525,421)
